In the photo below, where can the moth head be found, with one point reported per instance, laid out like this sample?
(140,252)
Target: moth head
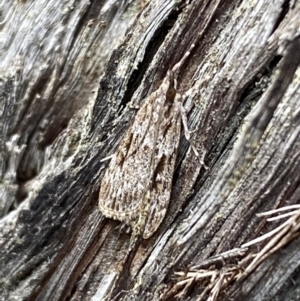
(170,95)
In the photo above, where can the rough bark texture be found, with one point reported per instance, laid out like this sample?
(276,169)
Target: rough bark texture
(71,73)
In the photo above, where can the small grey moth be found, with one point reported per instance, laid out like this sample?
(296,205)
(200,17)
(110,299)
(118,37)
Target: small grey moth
(139,177)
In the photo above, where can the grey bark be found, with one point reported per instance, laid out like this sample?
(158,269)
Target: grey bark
(71,73)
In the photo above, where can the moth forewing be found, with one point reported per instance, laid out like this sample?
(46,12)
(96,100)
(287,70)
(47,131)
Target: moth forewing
(165,157)
(128,175)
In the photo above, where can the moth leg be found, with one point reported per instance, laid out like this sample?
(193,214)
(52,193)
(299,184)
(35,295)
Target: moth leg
(187,132)
(194,90)
(107,158)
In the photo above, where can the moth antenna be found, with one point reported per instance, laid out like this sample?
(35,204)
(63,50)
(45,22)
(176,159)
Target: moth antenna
(183,59)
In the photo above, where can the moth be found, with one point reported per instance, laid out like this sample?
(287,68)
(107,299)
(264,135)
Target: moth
(139,177)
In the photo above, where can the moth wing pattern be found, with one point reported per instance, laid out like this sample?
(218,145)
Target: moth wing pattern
(165,158)
(126,179)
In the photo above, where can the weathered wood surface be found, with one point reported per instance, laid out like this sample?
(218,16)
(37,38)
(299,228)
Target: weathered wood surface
(68,72)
